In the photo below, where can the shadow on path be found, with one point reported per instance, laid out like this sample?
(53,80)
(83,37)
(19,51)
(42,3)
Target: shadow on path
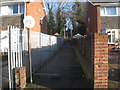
(62,71)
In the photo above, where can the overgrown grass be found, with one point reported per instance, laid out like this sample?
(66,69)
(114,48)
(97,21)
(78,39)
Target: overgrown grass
(83,62)
(113,84)
(115,66)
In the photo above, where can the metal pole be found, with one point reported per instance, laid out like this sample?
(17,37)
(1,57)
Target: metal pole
(71,33)
(9,60)
(29,56)
(64,31)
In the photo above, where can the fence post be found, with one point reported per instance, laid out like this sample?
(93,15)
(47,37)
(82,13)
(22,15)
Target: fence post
(9,59)
(0,68)
(29,55)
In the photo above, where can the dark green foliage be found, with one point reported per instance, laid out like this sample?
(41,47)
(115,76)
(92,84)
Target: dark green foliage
(56,20)
(57,14)
(50,20)
(77,20)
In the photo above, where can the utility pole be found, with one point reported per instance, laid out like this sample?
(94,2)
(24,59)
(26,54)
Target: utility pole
(29,55)
(71,33)
(64,31)
(29,22)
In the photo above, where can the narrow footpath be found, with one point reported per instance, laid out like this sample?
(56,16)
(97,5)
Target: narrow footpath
(62,71)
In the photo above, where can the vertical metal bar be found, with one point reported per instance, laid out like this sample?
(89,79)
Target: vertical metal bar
(9,60)
(21,47)
(71,33)
(11,29)
(16,48)
(13,53)
(12,65)
(18,53)
(11,46)
(29,56)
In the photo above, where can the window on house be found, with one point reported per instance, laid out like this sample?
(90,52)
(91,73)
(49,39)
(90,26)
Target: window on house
(13,9)
(88,20)
(102,11)
(21,8)
(108,11)
(111,36)
(111,11)
(16,9)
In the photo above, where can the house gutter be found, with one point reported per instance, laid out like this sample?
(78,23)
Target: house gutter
(102,2)
(13,2)
(90,2)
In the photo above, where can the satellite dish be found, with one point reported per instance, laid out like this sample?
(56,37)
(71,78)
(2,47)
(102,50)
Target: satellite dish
(29,22)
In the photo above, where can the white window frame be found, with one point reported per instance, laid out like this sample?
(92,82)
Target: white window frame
(106,11)
(109,31)
(12,12)
(18,10)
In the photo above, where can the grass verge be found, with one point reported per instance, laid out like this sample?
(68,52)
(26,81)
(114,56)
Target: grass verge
(83,62)
(115,66)
(113,84)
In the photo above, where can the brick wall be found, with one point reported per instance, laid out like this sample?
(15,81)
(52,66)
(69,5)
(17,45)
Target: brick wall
(95,48)
(93,19)
(98,22)
(36,10)
(100,60)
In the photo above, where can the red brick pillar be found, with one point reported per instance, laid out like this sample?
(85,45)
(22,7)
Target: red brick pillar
(100,60)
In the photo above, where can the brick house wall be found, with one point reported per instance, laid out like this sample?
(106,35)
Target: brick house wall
(93,20)
(98,22)
(36,10)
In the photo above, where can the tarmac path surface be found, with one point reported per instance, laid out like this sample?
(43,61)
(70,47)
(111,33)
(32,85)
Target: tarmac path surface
(62,71)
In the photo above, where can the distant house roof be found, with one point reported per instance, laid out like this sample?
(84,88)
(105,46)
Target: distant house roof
(77,36)
(105,2)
